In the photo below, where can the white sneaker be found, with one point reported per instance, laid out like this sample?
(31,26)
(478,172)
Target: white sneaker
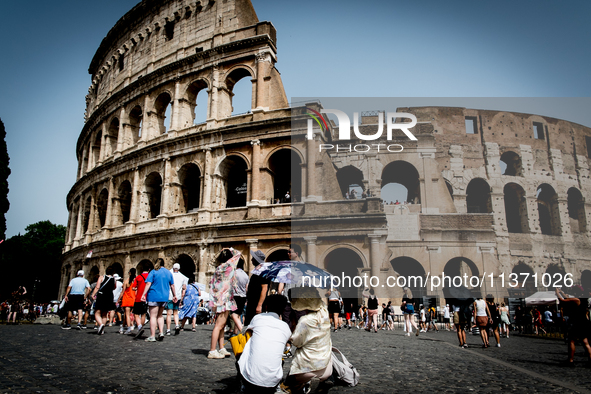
(215,354)
(498,345)
(224,352)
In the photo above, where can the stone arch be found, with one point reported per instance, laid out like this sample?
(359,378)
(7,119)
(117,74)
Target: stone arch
(144,265)
(153,190)
(549,214)
(93,274)
(233,76)
(193,95)
(458,267)
(233,173)
(576,211)
(411,269)
(353,248)
(553,269)
(530,286)
(190,180)
(450,189)
(515,208)
(136,115)
(350,178)
(510,163)
(345,262)
(188,266)
(404,174)
(278,254)
(162,108)
(286,178)
(478,196)
(117,268)
(124,194)
(113,135)
(86,215)
(101,206)
(586,280)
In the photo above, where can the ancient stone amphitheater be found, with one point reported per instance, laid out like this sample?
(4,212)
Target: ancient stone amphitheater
(488,192)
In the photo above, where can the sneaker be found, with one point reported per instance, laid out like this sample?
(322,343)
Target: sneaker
(101,329)
(498,345)
(150,339)
(128,331)
(121,329)
(160,337)
(224,352)
(79,326)
(139,333)
(83,327)
(465,346)
(95,327)
(177,330)
(408,334)
(66,327)
(110,324)
(168,332)
(193,329)
(215,354)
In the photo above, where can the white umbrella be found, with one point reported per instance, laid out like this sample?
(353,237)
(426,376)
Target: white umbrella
(542,298)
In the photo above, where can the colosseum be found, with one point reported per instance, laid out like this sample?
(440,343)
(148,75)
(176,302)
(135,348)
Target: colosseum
(488,193)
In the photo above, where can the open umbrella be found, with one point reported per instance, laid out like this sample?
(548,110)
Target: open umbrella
(294,272)
(542,298)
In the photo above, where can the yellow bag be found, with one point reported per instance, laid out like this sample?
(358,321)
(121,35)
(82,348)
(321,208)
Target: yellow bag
(238,342)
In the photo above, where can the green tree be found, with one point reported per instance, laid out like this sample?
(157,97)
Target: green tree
(33,260)
(4,173)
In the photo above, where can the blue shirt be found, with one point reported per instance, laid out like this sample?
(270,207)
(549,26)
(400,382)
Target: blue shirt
(78,286)
(160,285)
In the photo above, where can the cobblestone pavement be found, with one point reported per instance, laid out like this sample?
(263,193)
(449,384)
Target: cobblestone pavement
(41,359)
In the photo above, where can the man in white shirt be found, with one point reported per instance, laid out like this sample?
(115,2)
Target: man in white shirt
(259,365)
(76,292)
(172,308)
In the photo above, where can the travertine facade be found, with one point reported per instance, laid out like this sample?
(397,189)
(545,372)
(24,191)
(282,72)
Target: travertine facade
(153,181)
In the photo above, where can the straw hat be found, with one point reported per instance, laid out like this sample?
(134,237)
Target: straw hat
(306,298)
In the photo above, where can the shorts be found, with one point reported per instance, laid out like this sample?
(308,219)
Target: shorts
(390,318)
(171,305)
(240,302)
(371,313)
(140,308)
(75,302)
(446,319)
(348,315)
(334,307)
(482,321)
(159,304)
(409,310)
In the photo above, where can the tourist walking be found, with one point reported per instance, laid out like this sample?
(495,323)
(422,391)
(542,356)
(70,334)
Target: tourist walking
(481,318)
(239,294)
(334,307)
(140,308)
(256,289)
(190,304)
(103,295)
(446,317)
(172,308)
(505,320)
(408,310)
(495,318)
(372,311)
(76,293)
(127,300)
(158,284)
(578,325)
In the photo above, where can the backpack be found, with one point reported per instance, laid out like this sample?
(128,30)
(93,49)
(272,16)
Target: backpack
(343,371)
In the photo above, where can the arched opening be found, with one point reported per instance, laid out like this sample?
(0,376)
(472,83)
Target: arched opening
(113,135)
(526,285)
(576,211)
(414,276)
(240,90)
(511,164)
(153,187)
(93,274)
(117,269)
(86,215)
(144,266)
(351,181)
(124,199)
(345,263)
(197,97)
(135,123)
(286,179)
(74,221)
(458,267)
(162,108)
(188,267)
(233,173)
(278,255)
(190,180)
(586,280)
(557,274)
(450,189)
(515,208)
(96,148)
(101,206)
(400,182)
(478,196)
(548,212)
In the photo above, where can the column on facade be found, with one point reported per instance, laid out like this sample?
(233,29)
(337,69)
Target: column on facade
(135,197)
(79,220)
(207,180)
(146,129)
(121,134)
(104,135)
(111,197)
(252,247)
(374,253)
(256,174)
(311,249)
(165,208)
(91,217)
(214,93)
(176,108)
(263,61)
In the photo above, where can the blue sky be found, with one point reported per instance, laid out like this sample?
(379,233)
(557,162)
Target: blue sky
(326,49)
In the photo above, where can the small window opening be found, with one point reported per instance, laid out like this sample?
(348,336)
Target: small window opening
(538,131)
(121,62)
(169,30)
(471,125)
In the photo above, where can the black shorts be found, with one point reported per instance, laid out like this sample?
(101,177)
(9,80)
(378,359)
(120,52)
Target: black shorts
(75,302)
(140,308)
(240,302)
(334,307)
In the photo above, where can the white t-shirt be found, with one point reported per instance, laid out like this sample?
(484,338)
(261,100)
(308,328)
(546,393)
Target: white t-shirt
(179,281)
(241,283)
(260,363)
(446,313)
(117,291)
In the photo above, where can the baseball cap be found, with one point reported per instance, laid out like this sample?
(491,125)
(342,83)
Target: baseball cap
(259,257)
(81,273)
(176,266)
(116,276)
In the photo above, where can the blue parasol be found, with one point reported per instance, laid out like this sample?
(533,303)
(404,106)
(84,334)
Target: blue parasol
(293,272)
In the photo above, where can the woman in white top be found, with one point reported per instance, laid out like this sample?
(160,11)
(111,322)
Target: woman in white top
(483,318)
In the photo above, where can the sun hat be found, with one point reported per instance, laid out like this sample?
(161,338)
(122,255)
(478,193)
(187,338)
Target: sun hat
(259,257)
(306,298)
(176,266)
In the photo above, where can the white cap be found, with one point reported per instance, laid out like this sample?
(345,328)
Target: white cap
(81,273)
(116,276)
(176,266)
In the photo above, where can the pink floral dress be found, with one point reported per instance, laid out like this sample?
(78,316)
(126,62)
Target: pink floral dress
(221,285)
